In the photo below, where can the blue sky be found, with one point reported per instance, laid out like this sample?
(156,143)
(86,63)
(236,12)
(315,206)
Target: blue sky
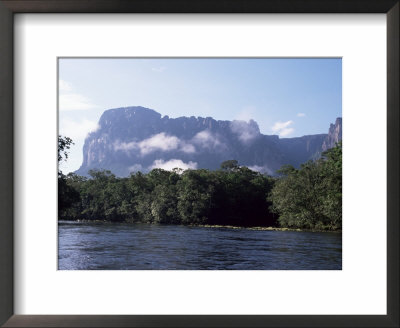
(287,97)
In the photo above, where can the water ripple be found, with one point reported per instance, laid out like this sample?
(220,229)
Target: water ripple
(105,246)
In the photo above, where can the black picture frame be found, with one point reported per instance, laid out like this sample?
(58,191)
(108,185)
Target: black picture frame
(7,10)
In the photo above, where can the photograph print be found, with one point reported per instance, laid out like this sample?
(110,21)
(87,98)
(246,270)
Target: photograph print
(200,164)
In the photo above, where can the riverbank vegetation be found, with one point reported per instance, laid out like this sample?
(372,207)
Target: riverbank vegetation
(234,195)
(310,197)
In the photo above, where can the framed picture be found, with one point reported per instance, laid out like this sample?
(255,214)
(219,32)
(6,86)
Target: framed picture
(46,65)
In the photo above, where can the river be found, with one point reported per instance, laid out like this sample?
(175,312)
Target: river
(119,246)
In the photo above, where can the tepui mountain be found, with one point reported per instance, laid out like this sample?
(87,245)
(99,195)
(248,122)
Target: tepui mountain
(134,139)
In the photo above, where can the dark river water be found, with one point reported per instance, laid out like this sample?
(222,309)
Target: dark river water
(107,246)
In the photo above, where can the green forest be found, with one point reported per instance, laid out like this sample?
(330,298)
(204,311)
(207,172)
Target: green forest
(306,198)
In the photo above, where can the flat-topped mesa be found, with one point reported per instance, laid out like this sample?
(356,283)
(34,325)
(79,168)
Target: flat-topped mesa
(137,138)
(128,121)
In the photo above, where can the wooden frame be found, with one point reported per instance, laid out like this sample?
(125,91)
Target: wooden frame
(7,10)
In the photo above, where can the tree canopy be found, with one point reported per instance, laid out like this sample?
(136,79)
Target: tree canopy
(309,197)
(64,144)
(169,197)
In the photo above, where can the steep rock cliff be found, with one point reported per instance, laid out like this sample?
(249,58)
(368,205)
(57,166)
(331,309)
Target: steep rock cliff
(139,139)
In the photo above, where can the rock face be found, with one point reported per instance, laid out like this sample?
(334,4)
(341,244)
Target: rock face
(334,135)
(139,139)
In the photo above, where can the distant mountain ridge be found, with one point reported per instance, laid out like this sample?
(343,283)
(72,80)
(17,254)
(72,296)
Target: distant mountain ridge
(136,138)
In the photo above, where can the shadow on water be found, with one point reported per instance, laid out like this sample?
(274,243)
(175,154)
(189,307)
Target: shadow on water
(111,246)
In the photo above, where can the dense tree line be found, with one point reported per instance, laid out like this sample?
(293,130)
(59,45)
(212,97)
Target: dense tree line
(67,195)
(309,197)
(230,196)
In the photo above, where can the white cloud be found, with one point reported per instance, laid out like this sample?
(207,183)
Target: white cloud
(77,130)
(282,128)
(301,114)
(171,164)
(261,169)
(246,131)
(206,139)
(125,146)
(64,86)
(158,142)
(286,132)
(70,100)
(281,125)
(188,148)
(159,69)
